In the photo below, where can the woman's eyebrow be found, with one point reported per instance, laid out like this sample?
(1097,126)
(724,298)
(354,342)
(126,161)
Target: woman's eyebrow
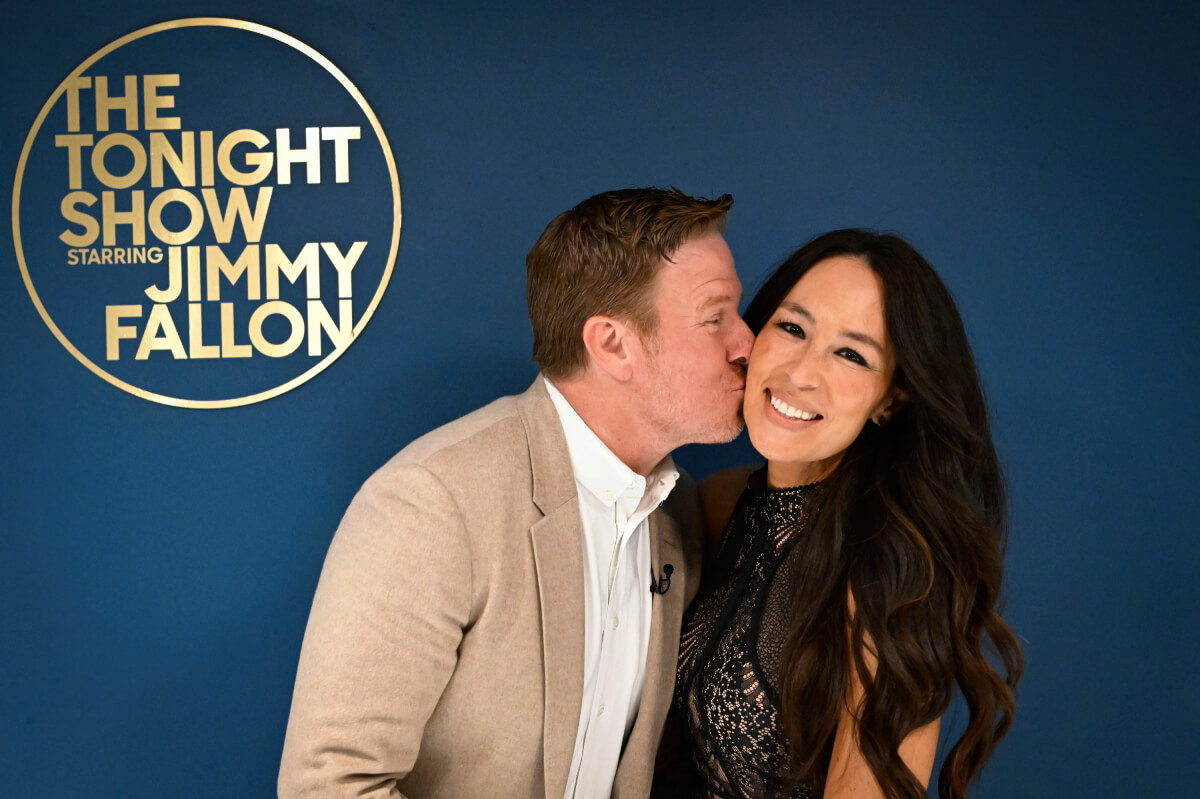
(863,337)
(800,310)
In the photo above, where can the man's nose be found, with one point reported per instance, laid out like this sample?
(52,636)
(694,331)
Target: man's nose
(740,343)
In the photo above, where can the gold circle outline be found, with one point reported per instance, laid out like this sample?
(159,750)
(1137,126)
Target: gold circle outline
(223,22)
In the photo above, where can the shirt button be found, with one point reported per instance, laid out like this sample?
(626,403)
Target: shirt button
(616,622)
(600,712)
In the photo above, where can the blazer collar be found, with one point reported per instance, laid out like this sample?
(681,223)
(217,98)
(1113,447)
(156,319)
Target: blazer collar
(549,458)
(558,561)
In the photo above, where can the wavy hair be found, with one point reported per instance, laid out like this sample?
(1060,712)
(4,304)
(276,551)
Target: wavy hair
(913,524)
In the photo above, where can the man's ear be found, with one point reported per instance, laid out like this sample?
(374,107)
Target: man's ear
(611,346)
(896,399)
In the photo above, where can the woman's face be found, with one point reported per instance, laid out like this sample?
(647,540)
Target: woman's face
(820,368)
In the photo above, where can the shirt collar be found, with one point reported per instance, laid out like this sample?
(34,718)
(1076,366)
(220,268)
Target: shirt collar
(598,470)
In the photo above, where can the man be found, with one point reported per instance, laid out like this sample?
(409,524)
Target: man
(499,611)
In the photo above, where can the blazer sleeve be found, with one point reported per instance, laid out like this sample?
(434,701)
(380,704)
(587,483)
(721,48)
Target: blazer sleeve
(381,643)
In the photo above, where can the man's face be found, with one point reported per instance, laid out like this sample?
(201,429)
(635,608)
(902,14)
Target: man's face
(691,391)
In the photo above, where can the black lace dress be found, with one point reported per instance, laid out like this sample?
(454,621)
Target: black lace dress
(729,654)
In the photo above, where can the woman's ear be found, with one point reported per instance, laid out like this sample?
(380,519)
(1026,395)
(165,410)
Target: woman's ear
(896,399)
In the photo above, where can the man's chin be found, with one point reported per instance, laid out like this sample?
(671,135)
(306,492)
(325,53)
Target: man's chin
(726,433)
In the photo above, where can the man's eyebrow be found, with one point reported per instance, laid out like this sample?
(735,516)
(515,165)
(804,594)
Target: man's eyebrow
(718,299)
(800,310)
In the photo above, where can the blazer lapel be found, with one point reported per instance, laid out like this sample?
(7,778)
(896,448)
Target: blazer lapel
(666,618)
(558,560)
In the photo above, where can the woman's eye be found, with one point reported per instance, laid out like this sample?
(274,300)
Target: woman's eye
(791,328)
(853,356)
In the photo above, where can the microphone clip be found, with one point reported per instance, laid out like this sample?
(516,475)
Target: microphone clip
(662,584)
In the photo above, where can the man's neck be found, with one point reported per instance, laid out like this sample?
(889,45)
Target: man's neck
(604,407)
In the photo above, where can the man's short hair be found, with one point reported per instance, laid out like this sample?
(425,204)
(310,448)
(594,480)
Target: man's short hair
(601,259)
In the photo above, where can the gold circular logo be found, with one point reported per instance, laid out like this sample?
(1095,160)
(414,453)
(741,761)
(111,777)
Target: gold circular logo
(206,213)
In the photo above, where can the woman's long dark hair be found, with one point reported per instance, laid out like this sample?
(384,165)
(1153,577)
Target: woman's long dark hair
(913,523)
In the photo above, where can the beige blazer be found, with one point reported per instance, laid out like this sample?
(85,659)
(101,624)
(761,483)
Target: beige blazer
(444,651)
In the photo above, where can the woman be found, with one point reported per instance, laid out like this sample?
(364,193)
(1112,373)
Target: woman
(857,579)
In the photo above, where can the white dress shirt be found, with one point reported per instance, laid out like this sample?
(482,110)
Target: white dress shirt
(614,503)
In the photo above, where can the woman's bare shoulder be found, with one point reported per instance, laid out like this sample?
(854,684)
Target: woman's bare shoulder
(718,494)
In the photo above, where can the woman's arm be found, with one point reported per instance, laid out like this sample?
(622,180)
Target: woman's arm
(849,775)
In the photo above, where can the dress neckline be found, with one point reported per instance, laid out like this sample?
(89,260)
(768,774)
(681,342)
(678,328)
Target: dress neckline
(757,482)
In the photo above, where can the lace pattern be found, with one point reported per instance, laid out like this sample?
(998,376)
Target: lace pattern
(729,653)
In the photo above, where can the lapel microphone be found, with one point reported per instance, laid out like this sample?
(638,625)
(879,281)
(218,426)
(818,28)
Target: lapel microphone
(662,584)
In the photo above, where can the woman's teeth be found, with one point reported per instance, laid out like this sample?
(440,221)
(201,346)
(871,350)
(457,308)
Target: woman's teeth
(792,413)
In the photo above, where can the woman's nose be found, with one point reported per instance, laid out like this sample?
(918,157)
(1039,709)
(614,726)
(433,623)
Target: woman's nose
(805,369)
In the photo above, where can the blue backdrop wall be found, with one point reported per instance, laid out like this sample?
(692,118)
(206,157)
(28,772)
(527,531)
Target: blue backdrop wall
(157,563)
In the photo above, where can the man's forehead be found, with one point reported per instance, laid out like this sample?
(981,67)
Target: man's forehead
(694,285)
(687,296)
